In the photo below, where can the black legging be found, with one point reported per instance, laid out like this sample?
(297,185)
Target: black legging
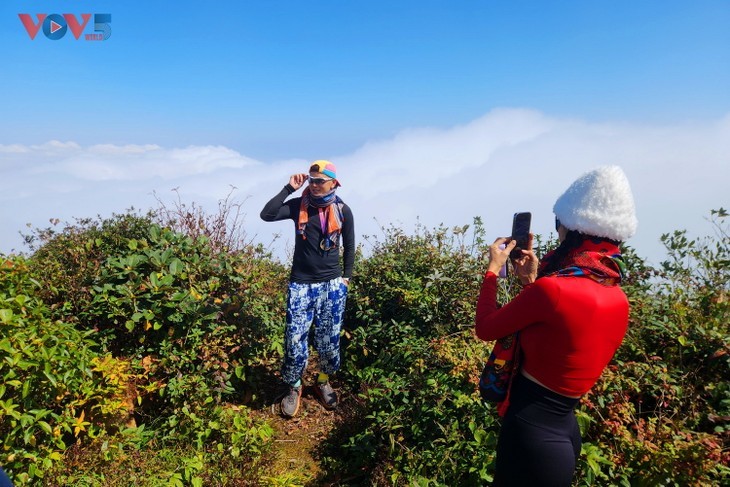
(539,442)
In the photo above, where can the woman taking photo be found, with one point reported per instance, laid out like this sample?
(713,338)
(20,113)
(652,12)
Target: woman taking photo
(572,316)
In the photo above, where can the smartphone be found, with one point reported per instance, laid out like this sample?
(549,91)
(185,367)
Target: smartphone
(520,232)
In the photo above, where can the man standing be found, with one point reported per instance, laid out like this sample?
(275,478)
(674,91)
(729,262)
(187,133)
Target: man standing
(318,284)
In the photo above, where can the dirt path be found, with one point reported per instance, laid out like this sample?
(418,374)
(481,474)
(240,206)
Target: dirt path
(298,440)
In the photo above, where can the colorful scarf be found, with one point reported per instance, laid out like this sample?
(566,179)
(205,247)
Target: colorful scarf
(596,258)
(331,221)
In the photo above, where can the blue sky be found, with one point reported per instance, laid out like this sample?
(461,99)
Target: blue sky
(480,95)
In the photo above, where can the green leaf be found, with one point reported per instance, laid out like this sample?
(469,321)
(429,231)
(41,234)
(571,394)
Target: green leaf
(6,315)
(51,379)
(176,266)
(178,296)
(45,427)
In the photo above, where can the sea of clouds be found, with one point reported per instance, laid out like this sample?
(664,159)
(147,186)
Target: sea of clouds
(505,161)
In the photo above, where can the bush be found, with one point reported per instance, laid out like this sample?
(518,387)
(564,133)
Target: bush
(215,446)
(428,281)
(68,259)
(659,414)
(193,319)
(57,387)
(179,326)
(414,359)
(112,310)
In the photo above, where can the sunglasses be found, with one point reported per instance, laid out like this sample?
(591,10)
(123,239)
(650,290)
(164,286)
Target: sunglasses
(318,180)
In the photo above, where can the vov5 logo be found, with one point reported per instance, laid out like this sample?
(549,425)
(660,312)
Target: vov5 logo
(55,26)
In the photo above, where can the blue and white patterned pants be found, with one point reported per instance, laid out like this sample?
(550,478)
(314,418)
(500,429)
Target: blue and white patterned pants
(321,303)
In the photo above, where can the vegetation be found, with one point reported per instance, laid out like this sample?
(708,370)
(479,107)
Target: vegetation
(134,349)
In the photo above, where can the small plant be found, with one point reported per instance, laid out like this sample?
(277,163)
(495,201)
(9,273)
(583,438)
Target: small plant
(229,448)
(223,229)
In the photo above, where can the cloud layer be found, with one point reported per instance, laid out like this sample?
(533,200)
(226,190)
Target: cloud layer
(505,161)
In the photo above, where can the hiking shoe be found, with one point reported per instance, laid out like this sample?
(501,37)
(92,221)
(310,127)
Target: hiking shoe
(290,403)
(327,396)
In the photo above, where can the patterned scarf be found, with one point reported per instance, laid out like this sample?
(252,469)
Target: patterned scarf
(596,258)
(331,220)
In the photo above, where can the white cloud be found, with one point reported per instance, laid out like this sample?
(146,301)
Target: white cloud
(13,149)
(423,157)
(132,162)
(508,160)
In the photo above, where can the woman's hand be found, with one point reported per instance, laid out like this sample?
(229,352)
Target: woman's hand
(498,256)
(526,265)
(297,180)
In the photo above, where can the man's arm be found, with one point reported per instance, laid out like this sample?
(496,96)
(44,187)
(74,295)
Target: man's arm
(277,209)
(348,242)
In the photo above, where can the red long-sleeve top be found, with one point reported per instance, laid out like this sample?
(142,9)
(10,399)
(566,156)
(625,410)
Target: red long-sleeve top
(570,328)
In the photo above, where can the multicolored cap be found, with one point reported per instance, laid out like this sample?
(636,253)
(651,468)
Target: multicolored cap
(326,168)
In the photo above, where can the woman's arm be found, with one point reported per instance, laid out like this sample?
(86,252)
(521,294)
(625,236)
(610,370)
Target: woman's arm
(534,304)
(493,323)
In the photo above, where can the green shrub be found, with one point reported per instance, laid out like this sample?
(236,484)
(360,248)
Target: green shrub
(56,387)
(414,359)
(196,320)
(429,281)
(657,417)
(659,413)
(229,448)
(66,260)
(187,324)
(182,327)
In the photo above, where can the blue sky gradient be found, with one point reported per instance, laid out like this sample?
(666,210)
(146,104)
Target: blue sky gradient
(287,80)
(276,79)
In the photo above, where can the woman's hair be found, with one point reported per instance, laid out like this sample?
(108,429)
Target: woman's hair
(558,259)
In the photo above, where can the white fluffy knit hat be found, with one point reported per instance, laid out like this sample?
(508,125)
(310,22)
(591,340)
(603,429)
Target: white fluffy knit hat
(599,203)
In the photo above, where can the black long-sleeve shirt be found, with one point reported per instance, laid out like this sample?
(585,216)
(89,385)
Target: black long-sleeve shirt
(310,263)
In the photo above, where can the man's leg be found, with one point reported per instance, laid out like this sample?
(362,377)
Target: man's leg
(299,314)
(330,314)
